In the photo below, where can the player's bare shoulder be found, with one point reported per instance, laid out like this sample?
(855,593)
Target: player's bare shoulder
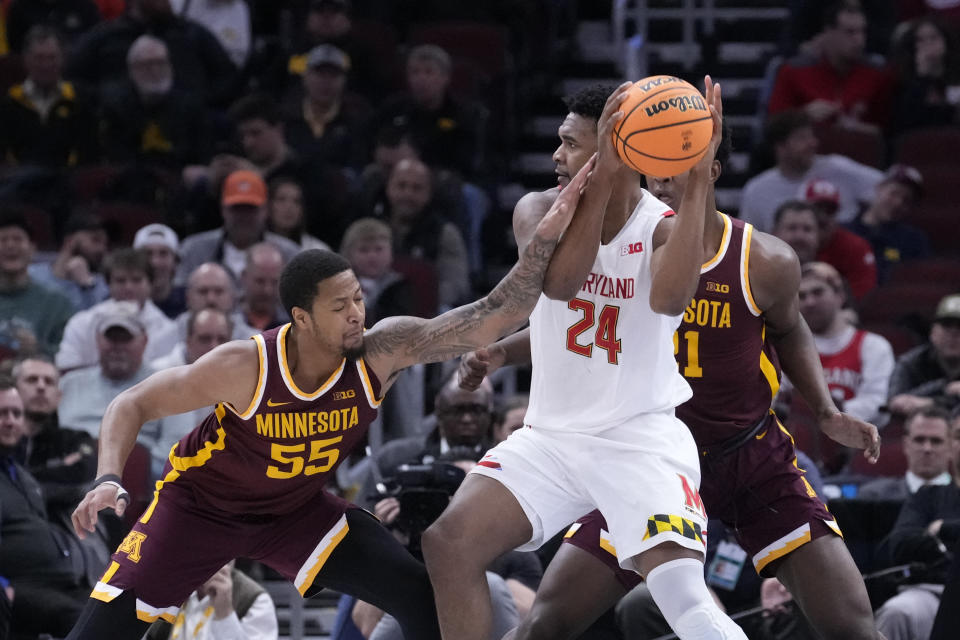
(528,212)
(774,269)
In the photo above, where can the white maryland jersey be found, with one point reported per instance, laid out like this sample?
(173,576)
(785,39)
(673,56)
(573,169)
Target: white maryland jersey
(605,356)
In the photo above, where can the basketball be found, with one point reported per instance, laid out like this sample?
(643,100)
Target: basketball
(666,126)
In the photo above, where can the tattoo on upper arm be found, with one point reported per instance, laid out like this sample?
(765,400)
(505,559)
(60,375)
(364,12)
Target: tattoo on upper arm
(473,325)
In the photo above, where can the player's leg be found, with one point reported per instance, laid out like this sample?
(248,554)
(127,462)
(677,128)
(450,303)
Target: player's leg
(827,585)
(370,564)
(511,498)
(560,611)
(115,619)
(484,521)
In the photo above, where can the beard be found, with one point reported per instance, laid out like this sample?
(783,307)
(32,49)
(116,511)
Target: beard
(355,353)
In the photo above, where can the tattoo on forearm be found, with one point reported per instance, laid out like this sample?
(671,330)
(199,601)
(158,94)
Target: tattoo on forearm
(472,325)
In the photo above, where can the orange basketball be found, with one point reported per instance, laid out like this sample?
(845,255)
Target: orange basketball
(666,126)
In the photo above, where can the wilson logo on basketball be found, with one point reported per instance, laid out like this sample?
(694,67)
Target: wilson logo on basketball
(693,102)
(630,249)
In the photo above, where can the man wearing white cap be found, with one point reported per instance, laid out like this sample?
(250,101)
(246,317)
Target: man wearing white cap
(161,245)
(121,341)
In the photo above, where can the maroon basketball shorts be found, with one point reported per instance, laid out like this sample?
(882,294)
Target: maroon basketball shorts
(757,490)
(177,544)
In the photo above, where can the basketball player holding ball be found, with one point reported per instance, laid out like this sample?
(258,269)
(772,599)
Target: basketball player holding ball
(601,431)
(746,303)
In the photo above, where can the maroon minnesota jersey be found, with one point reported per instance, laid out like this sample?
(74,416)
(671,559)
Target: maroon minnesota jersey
(275,455)
(721,346)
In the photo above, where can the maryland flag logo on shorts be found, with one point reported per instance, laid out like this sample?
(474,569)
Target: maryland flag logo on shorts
(661,523)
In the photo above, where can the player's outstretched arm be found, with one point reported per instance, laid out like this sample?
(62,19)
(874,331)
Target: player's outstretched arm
(228,373)
(395,343)
(476,365)
(678,245)
(774,280)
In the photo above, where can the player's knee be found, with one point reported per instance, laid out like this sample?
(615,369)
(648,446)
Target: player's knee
(705,621)
(445,542)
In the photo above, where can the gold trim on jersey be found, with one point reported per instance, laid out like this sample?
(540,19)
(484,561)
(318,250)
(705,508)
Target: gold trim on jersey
(181,464)
(607,544)
(104,591)
(745,270)
(288,377)
(261,382)
(779,548)
(318,557)
(150,614)
(766,366)
(724,244)
(367,385)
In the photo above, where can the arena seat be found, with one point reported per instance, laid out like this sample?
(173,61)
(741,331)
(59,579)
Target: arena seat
(123,219)
(423,280)
(41,228)
(939,222)
(937,269)
(900,337)
(11,71)
(485,44)
(865,147)
(929,146)
(88,183)
(899,302)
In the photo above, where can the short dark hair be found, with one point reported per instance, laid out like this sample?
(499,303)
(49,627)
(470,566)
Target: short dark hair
(14,216)
(833,11)
(41,33)
(129,260)
(307,269)
(725,150)
(792,205)
(933,412)
(257,106)
(7,382)
(36,357)
(782,125)
(588,102)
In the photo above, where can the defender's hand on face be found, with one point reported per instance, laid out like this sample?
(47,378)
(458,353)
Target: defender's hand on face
(607,159)
(558,217)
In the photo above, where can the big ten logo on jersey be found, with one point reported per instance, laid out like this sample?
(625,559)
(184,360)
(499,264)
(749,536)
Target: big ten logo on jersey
(313,455)
(344,395)
(718,287)
(131,545)
(691,498)
(632,248)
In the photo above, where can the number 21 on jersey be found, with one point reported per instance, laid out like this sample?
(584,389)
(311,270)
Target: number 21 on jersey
(605,336)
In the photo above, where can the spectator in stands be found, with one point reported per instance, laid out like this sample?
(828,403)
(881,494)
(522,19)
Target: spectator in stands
(32,317)
(287,213)
(510,417)
(392,145)
(927,526)
(926,445)
(447,131)
(930,374)
(228,20)
(63,460)
(260,285)
(228,606)
(330,22)
(45,121)
(260,127)
(207,329)
(795,222)
(129,276)
(840,86)
(210,287)
(198,201)
(881,223)
(368,245)
(161,245)
(76,271)
(850,254)
(244,211)
(329,123)
(790,136)
(68,17)
(927,56)
(146,119)
(121,339)
(420,231)
(42,561)
(200,65)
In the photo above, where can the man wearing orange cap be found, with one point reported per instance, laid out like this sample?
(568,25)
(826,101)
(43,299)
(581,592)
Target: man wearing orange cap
(243,207)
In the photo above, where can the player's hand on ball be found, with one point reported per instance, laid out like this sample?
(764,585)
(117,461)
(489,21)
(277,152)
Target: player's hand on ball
(851,432)
(607,159)
(476,365)
(712,95)
(102,496)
